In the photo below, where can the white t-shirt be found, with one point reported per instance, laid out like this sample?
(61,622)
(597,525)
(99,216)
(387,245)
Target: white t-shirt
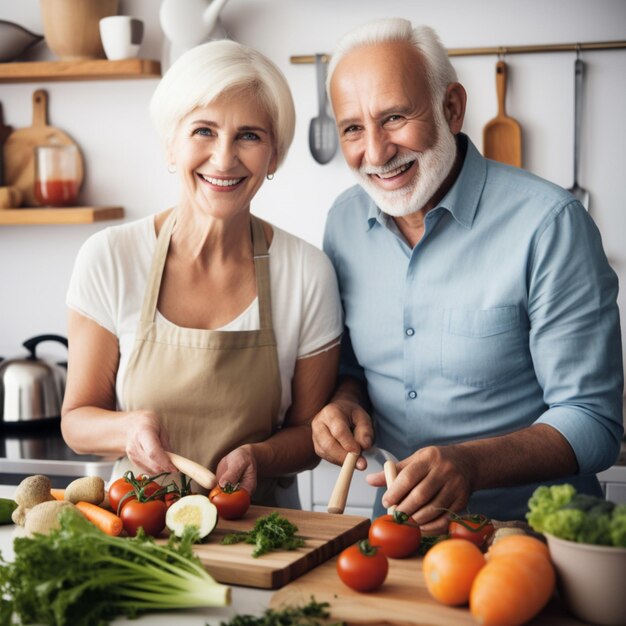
(110,275)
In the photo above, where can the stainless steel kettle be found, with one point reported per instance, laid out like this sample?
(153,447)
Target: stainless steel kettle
(32,388)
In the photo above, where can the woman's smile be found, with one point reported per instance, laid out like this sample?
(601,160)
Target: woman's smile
(221,184)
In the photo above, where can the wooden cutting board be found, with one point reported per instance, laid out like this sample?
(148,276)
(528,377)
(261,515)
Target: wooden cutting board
(325,536)
(402,600)
(19,156)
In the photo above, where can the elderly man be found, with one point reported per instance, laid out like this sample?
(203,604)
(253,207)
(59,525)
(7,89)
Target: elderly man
(482,342)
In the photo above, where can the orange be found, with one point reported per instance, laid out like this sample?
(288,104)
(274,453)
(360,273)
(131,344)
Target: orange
(518,544)
(450,568)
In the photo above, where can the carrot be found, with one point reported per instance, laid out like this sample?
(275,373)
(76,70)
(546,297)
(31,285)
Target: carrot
(106,521)
(57,494)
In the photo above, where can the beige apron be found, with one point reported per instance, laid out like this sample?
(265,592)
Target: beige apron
(213,390)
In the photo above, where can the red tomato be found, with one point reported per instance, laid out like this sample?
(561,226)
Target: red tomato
(231,501)
(170,498)
(474,527)
(121,487)
(362,567)
(148,515)
(397,535)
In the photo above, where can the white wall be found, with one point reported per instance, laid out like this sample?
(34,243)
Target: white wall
(124,163)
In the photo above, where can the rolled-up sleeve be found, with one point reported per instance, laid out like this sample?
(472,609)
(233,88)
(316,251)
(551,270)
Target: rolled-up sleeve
(575,337)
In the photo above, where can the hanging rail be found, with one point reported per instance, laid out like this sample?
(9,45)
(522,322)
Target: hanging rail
(503,50)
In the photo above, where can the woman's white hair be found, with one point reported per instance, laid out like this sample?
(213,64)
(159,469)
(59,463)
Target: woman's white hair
(439,70)
(223,67)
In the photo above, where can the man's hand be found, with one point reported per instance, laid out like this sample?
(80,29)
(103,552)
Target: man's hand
(431,482)
(340,427)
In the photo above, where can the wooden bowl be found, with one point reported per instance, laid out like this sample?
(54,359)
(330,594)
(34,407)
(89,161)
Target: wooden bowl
(72,27)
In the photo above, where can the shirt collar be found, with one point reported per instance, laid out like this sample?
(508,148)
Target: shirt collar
(462,198)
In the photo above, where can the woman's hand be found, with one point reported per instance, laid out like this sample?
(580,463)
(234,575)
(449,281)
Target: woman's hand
(238,466)
(146,442)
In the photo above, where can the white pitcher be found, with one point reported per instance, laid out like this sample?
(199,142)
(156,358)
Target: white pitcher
(187,23)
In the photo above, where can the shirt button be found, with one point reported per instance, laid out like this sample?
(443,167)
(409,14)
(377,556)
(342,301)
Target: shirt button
(412,395)
(410,332)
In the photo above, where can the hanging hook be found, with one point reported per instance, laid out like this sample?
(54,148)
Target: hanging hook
(501,53)
(578,51)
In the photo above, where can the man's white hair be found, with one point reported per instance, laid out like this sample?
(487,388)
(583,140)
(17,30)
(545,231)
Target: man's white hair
(439,70)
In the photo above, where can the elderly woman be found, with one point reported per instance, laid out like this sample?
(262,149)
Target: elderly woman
(204,330)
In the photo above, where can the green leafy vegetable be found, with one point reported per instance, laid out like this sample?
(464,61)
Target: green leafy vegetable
(272,532)
(618,526)
(560,511)
(79,576)
(545,501)
(288,616)
(428,541)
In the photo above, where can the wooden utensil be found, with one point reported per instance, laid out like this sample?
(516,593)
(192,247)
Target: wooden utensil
(19,157)
(195,471)
(339,496)
(390,475)
(502,136)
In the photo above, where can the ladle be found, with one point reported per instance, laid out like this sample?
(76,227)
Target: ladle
(582,195)
(322,131)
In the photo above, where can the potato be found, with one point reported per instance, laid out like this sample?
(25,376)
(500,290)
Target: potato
(44,517)
(33,490)
(19,515)
(86,489)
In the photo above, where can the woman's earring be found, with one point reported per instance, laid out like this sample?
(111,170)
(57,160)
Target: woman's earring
(171,168)
(270,177)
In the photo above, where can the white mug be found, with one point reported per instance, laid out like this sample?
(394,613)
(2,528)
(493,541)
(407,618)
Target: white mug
(121,36)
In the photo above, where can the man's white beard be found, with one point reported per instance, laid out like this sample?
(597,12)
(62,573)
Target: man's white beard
(433,166)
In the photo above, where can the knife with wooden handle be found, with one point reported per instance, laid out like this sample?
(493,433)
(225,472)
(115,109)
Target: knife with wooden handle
(390,475)
(195,471)
(339,496)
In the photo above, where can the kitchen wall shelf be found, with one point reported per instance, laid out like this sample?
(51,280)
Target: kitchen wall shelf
(91,69)
(70,215)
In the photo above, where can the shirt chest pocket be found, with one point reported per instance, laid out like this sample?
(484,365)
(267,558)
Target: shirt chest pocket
(481,348)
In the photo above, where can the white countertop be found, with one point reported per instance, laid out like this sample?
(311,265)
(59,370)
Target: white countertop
(244,599)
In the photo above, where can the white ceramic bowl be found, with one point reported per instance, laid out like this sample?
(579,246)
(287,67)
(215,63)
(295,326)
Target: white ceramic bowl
(591,579)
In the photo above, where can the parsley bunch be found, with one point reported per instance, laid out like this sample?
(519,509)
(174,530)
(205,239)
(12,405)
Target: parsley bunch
(272,532)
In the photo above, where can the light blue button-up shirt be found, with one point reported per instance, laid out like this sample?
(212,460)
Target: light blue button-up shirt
(503,315)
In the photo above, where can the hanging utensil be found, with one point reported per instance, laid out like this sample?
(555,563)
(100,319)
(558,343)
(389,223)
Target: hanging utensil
(322,131)
(582,195)
(502,136)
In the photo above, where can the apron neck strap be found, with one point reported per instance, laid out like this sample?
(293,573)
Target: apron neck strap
(261,268)
(262,272)
(153,287)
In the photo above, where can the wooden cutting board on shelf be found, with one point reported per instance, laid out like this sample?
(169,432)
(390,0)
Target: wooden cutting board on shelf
(325,536)
(402,600)
(19,156)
